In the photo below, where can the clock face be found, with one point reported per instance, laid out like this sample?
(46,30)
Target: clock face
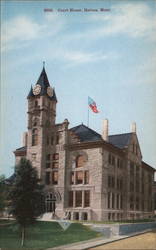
(36,89)
(50,91)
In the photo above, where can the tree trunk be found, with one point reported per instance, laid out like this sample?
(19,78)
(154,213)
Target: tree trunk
(23,236)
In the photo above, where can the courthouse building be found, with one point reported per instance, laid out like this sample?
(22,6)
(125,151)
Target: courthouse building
(87,175)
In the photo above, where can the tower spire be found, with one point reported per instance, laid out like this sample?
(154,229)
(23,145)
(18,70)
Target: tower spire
(43,64)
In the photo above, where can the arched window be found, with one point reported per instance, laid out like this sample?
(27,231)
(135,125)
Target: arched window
(80,160)
(50,202)
(34,137)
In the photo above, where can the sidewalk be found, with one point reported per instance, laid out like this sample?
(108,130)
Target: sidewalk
(94,242)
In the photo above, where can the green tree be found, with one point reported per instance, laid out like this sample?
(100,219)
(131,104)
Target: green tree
(26,195)
(3,191)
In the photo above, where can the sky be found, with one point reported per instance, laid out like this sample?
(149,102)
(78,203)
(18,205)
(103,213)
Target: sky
(109,55)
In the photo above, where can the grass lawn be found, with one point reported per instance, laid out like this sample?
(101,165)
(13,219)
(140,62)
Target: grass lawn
(43,235)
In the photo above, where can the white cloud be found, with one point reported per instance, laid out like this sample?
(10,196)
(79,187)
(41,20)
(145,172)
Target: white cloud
(18,30)
(22,30)
(133,19)
(78,57)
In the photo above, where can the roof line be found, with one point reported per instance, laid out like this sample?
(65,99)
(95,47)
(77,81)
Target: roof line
(87,128)
(121,134)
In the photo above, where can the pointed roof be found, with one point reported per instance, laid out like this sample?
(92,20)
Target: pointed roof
(30,92)
(43,79)
(44,83)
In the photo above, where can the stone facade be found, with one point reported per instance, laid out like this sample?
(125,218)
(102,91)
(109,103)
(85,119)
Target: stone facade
(87,176)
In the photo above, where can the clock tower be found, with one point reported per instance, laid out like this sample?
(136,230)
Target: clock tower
(41,121)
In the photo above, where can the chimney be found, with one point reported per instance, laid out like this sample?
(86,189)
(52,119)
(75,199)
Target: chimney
(24,139)
(105,130)
(133,127)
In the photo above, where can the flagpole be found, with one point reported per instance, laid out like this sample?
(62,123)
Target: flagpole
(88,117)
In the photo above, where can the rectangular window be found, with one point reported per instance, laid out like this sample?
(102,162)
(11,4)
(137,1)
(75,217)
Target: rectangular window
(109,181)
(34,137)
(47,178)
(142,205)
(121,184)
(111,159)
(86,198)
(86,177)
(108,201)
(131,186)
(33,156)
(52,140)
(78,198)
(55,177)
(119,163)
(48,157)
(109,216)
(113,182)
(121,202)
(137,203)
(117,201)
(72,178)
(55,165)
(47,140)
(118,184)
(79,177)
(70,199)
(56,156)
(113,200)
(57,138)
(137,186)
(48,165)
(131,202)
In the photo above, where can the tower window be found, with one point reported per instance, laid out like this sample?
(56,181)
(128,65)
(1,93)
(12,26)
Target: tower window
(55,165)
(52,139)
(33,156)
(34,137)
(58,138)
(55,156)
(36,104)
(35,122)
